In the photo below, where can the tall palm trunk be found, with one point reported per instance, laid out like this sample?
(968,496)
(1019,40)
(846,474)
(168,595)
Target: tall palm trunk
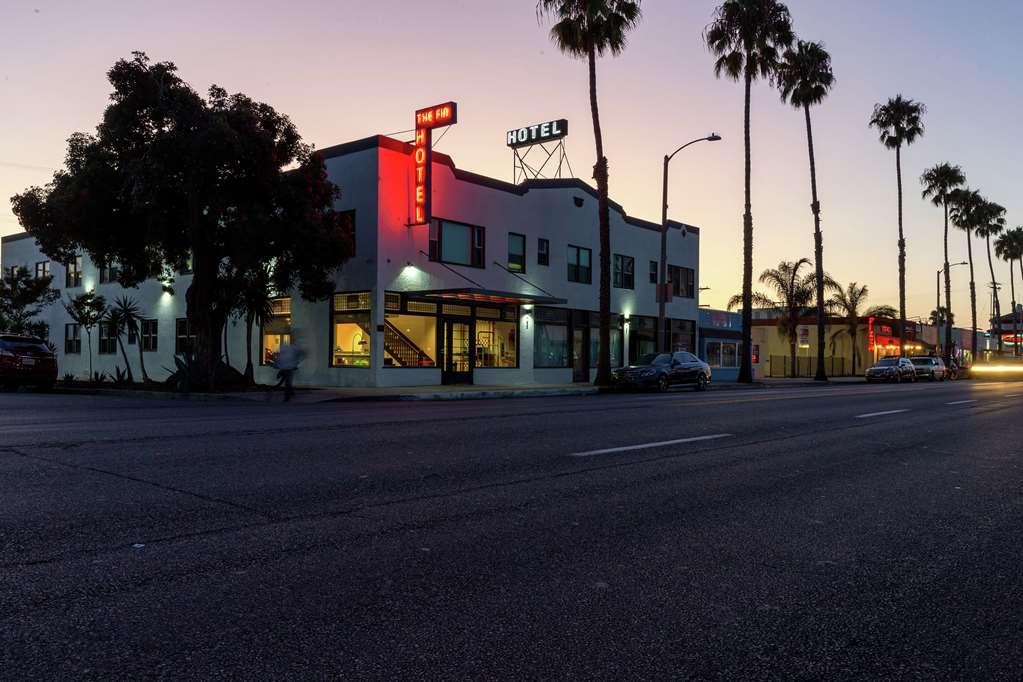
(746,366)
(127,365)
(793,370)
(994,294)
(818,248)
(249,373)
(600,174)
(1012,293)
(973,295)
(902,258)
(1016,312)
(88,336)
(852,335)
(948,297)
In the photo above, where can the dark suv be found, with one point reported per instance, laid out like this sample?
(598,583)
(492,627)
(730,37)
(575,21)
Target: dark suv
(26,360)
(927,367)
(662,371)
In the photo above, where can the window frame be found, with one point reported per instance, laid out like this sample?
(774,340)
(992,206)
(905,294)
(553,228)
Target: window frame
(150,340)
(685,278)
(655,272)
(73,273)
(543,251)
(106,343)
(43,265)
(577,264)
(275,314)
(623,277)
(364,308)
(72,342)
(183,343)
(477,255)
(519,267)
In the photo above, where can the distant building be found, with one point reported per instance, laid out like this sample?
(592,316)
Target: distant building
(721,342)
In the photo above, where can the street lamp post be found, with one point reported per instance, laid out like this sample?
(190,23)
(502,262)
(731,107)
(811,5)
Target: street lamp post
(937,308)
(662,293)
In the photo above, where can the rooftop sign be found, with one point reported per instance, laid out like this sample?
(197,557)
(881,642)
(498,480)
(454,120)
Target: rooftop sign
(540,132)
(426,120)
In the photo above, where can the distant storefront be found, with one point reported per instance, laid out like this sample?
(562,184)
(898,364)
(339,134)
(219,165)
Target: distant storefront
(721,343)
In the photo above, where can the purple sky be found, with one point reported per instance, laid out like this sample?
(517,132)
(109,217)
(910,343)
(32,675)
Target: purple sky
(344,69)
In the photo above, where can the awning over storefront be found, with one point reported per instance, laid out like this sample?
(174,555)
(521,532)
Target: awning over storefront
(477,295)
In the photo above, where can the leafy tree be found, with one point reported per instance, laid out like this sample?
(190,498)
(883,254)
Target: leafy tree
(939,182)
(805,78)
(899,122)
(965,208)
(256,305)
(589,29)
(87,310)
(748,37)
(793,294)
(172,177)
(847,303)
(941,316)
(22,299)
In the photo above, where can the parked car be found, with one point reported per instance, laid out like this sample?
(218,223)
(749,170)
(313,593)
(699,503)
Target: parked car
(26,360)
(927,367)
(892,369)
(662,371)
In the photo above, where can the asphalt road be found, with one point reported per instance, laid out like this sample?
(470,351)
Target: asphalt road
(834,532)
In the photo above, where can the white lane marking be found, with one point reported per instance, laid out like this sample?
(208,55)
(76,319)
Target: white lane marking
(960,402)
(646,446)
(878,414)
(1012,395)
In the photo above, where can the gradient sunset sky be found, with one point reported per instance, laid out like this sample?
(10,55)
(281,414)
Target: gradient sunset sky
(344,69)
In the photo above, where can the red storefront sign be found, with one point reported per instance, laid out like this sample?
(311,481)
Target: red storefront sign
(426,120)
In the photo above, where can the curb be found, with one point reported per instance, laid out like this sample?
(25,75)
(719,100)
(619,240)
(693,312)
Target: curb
(155,395)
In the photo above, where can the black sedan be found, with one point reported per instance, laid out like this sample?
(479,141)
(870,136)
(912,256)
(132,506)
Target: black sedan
(662,371)
(892,369)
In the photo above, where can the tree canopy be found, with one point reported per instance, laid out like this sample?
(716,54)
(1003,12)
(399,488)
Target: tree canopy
(22,298)
(170,178)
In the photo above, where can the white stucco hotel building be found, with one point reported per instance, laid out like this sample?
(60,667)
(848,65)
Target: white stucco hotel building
(500,288)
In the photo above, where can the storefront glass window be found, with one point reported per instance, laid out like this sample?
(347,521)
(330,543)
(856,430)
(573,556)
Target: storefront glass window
(410,341)
(496,343)
(642,336)
(351,330)
(277,331)
(723,354)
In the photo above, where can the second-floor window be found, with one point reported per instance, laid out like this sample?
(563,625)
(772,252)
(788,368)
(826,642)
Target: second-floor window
(624,272)
(458,243)
(653,272)
(516,252)
(42,269)
(580,265)
(543,252)
(73,276)
(184,339)
(683,281)
(109,273)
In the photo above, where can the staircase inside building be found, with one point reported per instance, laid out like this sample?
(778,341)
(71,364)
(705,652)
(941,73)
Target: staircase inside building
(403,350)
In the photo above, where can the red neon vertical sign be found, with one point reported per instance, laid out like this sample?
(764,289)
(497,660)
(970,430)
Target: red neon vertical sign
(871,338)
(422,157)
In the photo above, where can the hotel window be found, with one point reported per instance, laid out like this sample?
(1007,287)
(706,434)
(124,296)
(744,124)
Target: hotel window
(550,337)
(184,339)
(72,339)
(496,338)
(624,272)
(148,330)
(107,339)
(109,273)
(683,281)
(543,252)
(682,335)
(516,252)
(457,243)
(42,269)
(276,330)
(351,330)
(73,276)
(653,272)
(580,265)
(723,354)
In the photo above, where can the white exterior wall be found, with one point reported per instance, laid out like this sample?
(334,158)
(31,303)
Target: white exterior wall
(375,184)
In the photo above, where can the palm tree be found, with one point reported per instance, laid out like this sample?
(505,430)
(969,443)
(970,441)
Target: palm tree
(900,122)
(1009,247)
(793,295)
(941,316)
(965,205)
(590,29)
(991,222)
(939,182)
(127,309)
(86,310)
(256,304)
(118,324)
(846,303)
(805,78)
(747,37)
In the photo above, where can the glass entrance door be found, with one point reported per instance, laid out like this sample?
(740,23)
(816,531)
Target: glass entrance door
(456,337)
(580,354)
